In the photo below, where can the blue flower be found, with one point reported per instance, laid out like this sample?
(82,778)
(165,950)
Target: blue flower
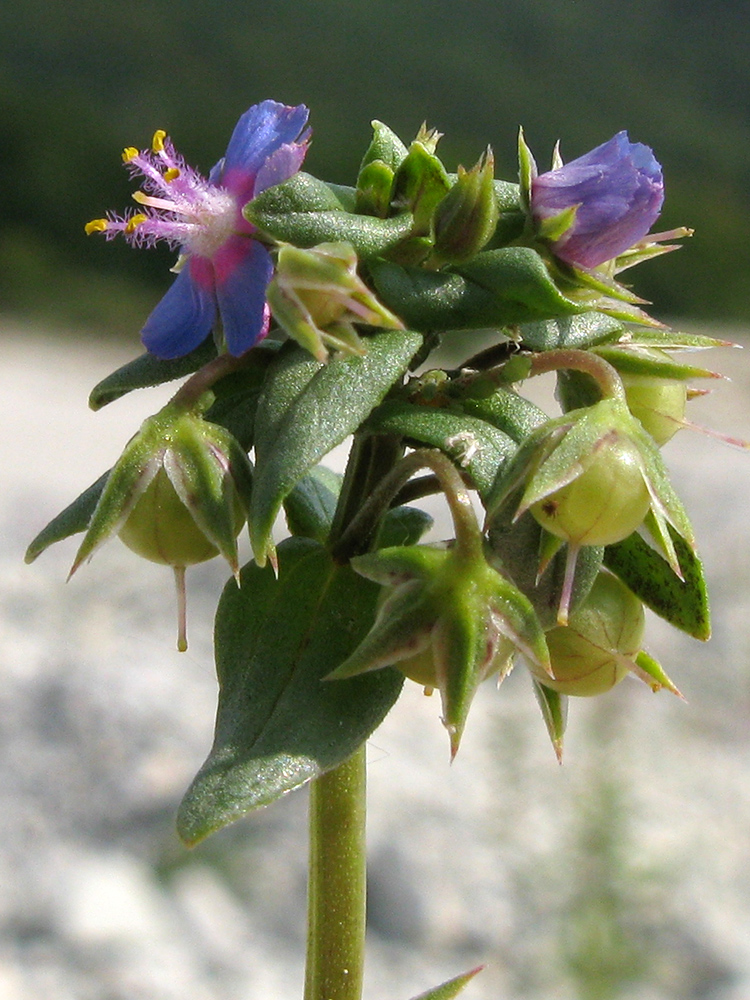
(221,268)
(614,194)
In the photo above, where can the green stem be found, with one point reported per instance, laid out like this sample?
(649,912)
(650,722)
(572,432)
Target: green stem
(336,886)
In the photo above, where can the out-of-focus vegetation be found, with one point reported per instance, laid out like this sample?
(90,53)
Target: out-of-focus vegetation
(81,79)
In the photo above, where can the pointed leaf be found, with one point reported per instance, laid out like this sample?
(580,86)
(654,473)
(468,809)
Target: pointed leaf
(683,603)
(451,988)
(301,193)
(312,503)
(473,444)
(146,371)
(570,331)
(307,409)
(385,146)
(370,236)
(74,519)
(277,724)
(506,410)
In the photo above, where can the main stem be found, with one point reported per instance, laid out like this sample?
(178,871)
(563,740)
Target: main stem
(336,883)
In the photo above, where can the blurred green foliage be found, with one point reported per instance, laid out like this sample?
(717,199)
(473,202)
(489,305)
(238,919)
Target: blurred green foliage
(81,79)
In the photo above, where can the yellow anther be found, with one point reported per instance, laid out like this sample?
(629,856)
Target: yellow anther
(133,223)
(96,226)
(129,153)
(157,143)
(171,175)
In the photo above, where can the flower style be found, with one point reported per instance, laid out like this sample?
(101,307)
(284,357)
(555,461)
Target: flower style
(596,207)
(221,267)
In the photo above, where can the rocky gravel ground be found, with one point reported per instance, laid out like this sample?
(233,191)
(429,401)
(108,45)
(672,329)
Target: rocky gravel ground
(625,873)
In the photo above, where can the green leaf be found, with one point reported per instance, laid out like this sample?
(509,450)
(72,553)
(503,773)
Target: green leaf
(71,521)
(301,193)
(513,414)
(385,146)
(683,603)
(570,331)
(146,371)
(277,724)
(420,185)
(308,408)
(312,503)
(402,526)
(474,445)
(496,288)
(451,988)
(370,236)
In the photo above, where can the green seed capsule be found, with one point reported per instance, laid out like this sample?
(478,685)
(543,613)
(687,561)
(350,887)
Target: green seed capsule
(605,504)
(659,404)
(161,528)
(595,650)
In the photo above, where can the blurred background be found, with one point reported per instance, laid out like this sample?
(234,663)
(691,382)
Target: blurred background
(621,875)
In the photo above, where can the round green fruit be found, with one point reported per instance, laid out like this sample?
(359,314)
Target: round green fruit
(594,651)
(659,404)
(605,504)
(162,529)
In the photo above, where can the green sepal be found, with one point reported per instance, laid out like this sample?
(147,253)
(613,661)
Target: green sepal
(554,708)
(310,506)
(133,471)
(146,371)
(672,340)
(651,672)
(555,226)
(527,170)
(72,520)
(633,362)
(473,444)
(570,331)
(681,602)
(402,629)
(307,409)
(451,988)
(206,486)
(277,725)
(419,186)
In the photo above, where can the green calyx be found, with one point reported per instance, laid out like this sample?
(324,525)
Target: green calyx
(449,621)
(590,477)
(466,218)
(177,494)
(317,296)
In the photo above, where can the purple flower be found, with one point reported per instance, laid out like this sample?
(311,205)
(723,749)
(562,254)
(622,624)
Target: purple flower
(221,267)
(616,191)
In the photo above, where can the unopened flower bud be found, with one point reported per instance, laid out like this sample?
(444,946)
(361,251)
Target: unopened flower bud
(466,218)
(599,205)
(317,297)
